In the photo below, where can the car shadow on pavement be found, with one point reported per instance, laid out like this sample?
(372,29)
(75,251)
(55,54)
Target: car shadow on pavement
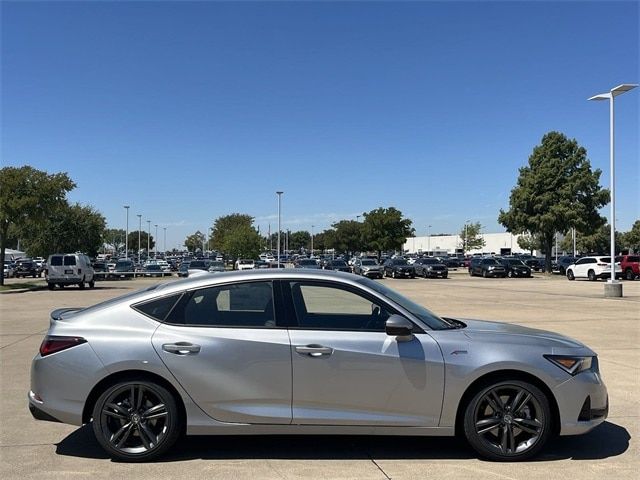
(608,440)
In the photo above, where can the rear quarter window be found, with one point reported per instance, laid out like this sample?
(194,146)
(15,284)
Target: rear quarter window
(158,308)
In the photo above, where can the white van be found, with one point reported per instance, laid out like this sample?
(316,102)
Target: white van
(69,269)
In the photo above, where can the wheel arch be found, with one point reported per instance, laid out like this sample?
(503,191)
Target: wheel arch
(125,375)
(500,375)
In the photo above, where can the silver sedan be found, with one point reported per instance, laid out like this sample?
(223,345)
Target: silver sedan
(306,352)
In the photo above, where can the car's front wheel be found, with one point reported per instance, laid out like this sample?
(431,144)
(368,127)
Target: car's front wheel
(570,275)
(136,421)
(508,421)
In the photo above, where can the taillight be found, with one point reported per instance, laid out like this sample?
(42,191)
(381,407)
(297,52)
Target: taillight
(52,344)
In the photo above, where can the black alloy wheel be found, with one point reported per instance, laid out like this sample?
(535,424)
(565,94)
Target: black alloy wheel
(570,275)
(136,421)
(484,274)
(508,421)
(510,274)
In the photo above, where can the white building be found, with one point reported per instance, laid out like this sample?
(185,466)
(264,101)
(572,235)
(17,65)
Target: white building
(495,243)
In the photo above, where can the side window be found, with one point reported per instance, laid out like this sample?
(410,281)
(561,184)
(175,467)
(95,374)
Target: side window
(56,261)
(158,308)
(331,307)
(581,261)
(238,305)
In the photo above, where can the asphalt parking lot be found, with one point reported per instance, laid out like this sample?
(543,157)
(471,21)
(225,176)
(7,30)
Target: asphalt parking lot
(32,449)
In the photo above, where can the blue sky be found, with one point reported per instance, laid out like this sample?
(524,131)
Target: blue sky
(187,111)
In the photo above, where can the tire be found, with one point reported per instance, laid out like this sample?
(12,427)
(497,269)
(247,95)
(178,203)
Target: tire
(510,274)
(393,274)
(494,426)
(629,275)
(61,285)
(570,275)
(484,274)
(122,423)
(51,286)
(562,271)
(592,276)
(92,283)
(81,285)
(424,273)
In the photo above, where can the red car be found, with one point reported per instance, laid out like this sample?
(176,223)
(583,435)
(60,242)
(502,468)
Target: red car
(630,265)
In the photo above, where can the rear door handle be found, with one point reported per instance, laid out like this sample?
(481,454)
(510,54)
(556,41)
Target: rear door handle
(181,348)
(314,350)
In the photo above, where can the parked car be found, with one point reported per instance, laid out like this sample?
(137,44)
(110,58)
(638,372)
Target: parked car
(100,269)
(339,265)
(630,265)
(212,355)
(430,268)
(25,267)
(486,267)
(69,269)
(515,267)
(183,270)
(244,264)
(562,263)
(398,267)
(216,266)
(200,265)
(153,270)
(367,267)
(124,269)
(9,268)
(308,263)
(593,268)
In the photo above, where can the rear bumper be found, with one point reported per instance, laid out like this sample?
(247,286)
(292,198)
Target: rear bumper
(69,280)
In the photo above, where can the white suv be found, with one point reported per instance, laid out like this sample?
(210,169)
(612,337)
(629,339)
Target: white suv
(592,268)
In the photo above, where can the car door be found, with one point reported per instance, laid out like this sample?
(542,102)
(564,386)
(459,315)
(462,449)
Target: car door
(223,345)
(348,371)
(580,269)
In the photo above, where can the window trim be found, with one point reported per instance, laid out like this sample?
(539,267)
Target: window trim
(187,294)
(292,314)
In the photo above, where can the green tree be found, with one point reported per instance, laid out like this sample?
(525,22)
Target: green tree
(599,241)
(529,242)
(194,241)
(631,239)
(242,242)
(27,197)
(300,239)
(114,237)
(557,190)
(70,228)
(225,225)
(347,236)
(470,238)
(133,241)
(385,229)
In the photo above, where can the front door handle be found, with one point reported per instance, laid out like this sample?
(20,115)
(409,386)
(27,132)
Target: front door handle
(314,350)
(181,348)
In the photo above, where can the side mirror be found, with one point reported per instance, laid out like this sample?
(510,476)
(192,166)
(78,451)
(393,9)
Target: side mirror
(398,326)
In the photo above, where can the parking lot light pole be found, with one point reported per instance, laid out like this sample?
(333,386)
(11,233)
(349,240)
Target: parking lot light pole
(156,245)
(312,239)
(165,239)
(428,239)
(613,288)
(139,232)
(126,238)
(279,220)
(148,238)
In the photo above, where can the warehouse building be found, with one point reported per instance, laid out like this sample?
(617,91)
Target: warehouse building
(495,243)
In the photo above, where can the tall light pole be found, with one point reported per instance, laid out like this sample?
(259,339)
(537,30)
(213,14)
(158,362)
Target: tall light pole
(165,239)
(126,238)
(139,231)
(466,241)
(148,239)
(279,219)
(156,245)
(428,239)
(613,288)
(312,239)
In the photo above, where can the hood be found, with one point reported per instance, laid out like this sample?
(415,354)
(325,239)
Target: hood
(510,333)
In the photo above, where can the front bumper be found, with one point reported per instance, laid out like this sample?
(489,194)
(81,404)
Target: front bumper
(437,273)
(372,273)
(583,403)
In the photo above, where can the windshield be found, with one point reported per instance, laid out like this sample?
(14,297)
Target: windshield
(369,262)
(432,320)
(515,262)
(338,263)
(307,262)
(400,262)
(217,264)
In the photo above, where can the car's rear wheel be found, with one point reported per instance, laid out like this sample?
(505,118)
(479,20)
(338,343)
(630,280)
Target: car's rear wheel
(510,274)
(484,274)
(629,275)
(92,283)
(508,421)
(592,276)
(570,275)
(51,286)
(136,421)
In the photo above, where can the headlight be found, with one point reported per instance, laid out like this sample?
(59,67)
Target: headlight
(570,364)
(365,269)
